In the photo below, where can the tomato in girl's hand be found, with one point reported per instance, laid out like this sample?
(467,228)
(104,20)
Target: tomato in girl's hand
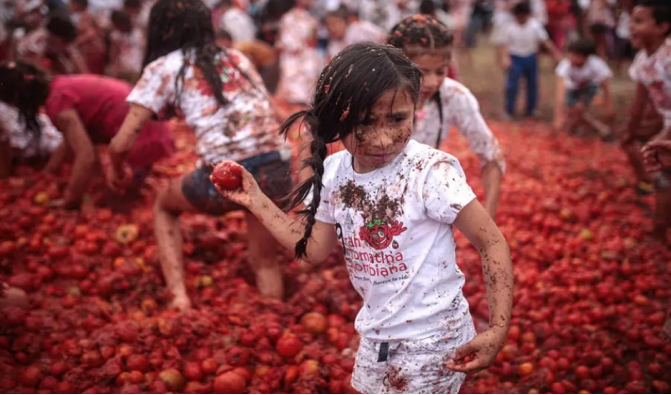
(227,175)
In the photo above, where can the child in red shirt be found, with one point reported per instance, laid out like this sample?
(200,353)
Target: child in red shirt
(87,110)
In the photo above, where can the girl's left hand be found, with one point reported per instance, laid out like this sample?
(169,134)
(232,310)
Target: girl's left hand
(479,353)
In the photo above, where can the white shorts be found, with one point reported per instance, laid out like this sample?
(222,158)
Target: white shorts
(411,366)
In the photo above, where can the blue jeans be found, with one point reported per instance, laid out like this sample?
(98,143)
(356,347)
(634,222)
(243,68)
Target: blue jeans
(527,67)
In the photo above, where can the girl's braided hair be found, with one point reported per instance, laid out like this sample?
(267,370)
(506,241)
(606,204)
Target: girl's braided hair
(421,34)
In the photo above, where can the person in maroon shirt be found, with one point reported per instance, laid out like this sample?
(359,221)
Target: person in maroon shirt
(88,110)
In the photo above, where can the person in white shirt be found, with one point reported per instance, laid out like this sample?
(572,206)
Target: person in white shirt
(236,22)
(223,101)
(579,77)
(601,21)
(393,204)
(520,42)
(651,70)
(24,141)
(300,61)
(445,103)
(126,48)
(343,32)
(383,13)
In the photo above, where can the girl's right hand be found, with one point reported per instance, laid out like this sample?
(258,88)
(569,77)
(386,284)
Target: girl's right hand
(248,192)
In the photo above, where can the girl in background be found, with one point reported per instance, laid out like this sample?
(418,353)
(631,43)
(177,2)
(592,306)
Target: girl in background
(445,102)
(221,96)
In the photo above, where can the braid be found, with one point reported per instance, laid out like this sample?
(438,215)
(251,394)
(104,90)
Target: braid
(425,32)
(314,183)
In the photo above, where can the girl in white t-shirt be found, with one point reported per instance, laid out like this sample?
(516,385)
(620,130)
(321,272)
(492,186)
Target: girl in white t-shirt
(393,204)
(222,99)
(445,103)
(579,77)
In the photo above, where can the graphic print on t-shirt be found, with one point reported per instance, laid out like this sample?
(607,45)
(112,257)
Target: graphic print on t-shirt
(379,234)
(379,230)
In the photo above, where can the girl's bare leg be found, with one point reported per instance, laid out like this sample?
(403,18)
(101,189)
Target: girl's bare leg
(262,256)
(170,203)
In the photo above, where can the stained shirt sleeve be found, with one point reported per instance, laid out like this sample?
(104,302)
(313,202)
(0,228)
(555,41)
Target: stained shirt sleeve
(445,191)
(156,88)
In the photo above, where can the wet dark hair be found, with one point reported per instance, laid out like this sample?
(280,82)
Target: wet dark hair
(346,91)
(26,87)
(185,25)
(521,9)
(61,26)
(420,34)
(661,11)
(582,47)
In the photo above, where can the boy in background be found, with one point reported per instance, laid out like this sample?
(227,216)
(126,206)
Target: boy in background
(520,41)
(579,77)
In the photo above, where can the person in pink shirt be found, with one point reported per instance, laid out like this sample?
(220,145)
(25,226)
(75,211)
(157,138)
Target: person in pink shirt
(87,110)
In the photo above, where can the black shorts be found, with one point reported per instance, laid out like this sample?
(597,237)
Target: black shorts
(271,172)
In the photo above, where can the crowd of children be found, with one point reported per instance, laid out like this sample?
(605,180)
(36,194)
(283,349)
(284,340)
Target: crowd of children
(117,72)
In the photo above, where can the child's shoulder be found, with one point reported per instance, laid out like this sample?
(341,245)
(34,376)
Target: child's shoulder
(172,60)
(424,157)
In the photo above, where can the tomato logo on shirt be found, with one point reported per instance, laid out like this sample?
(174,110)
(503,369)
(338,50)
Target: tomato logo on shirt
(380,235)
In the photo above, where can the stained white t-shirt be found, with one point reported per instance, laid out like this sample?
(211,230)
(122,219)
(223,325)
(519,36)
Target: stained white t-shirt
(243,128)
(522,40)
(13,130)
(593,72)
(395,226)
(462,111)
(654,71)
